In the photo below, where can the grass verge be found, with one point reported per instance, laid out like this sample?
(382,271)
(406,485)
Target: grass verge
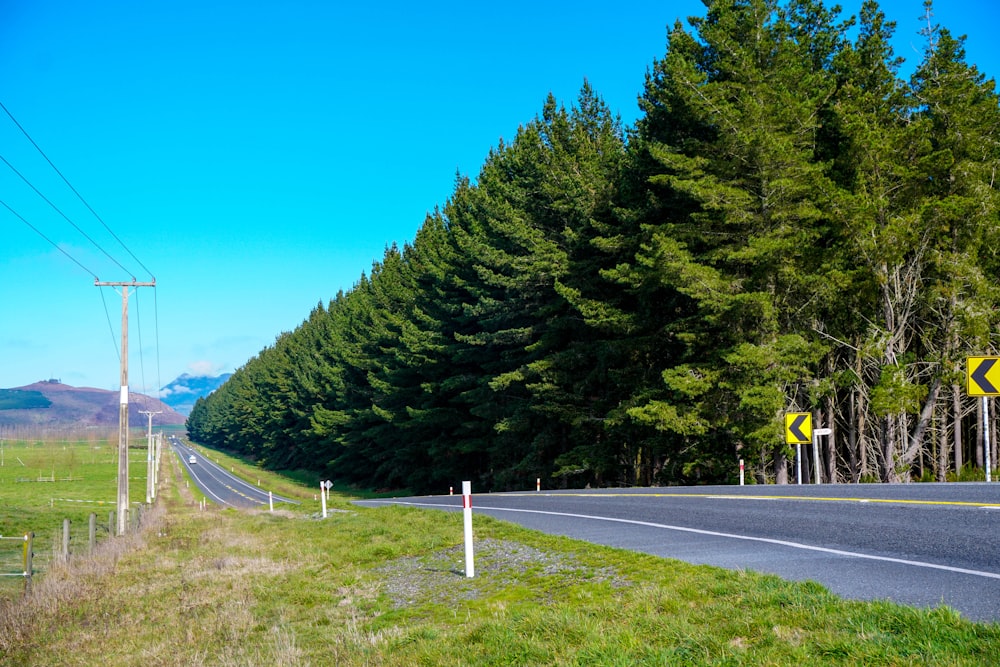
(386,587)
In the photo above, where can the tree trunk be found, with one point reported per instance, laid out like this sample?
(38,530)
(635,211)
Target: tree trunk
(956,425)
(854,471)
(830,450)
(780,466)
(916,444)
(863,463)
(941,468)
(888,442)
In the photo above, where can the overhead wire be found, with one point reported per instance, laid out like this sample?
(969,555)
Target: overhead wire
(111,327)
(54,244)
(156,333)
(74,190)
(142,365)
(89,238)
(65,217)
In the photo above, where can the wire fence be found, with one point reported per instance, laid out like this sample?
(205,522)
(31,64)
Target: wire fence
(24,557)
(16,558)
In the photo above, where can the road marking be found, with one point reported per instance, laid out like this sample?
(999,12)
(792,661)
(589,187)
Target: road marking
(207,466)
(901,501)
(712,533)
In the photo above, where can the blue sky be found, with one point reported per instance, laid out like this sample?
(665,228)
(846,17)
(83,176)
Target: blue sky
(257,157)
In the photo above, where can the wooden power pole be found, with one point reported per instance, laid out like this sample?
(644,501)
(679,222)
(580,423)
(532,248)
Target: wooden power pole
(123,405)
(149,454)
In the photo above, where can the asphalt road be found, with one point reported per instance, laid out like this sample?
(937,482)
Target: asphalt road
(917,544)
(218,484)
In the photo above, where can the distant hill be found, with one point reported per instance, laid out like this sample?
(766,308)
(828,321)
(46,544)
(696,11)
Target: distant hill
(52,404)
(185,390)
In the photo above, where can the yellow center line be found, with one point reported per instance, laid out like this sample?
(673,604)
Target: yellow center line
(902,501)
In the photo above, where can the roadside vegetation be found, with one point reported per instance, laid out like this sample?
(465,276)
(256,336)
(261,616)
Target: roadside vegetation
(387,587)
(46,478)
(800,220)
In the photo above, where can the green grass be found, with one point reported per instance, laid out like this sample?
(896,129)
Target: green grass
(386,587)
(42,483)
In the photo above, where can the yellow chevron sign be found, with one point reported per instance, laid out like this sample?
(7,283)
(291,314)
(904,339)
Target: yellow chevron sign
(798,428)
(982,376)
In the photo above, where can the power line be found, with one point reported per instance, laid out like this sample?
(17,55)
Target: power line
(54,244)
(142,364)
(111,327)
(123,353)
(65,217)
(156,332)
(70,186)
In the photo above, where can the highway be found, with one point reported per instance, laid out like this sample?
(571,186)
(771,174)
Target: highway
(218,484)
(916,544)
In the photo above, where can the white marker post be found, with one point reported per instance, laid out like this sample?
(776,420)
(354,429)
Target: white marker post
(538,484)
(270,501)
(741,472)
(470,567)
(322,495)
(817,432)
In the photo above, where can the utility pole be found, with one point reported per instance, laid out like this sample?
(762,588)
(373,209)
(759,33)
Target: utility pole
(157,444)
(123,405)
(149,454)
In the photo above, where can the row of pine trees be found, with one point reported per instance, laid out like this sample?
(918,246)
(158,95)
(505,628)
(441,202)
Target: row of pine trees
(790,226)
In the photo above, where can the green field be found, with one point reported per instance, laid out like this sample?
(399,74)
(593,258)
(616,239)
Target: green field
(387,587)
(43,482)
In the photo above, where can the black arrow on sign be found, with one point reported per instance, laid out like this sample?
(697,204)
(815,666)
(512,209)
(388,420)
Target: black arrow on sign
(979,376)
(795,427)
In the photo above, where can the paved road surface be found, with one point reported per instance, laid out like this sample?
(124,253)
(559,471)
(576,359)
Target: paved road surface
(917,544)
(218,484)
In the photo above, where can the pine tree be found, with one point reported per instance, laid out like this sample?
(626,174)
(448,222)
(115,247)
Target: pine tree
(737,223)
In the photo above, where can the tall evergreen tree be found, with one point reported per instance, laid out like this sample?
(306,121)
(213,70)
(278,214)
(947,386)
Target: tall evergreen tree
(737,226)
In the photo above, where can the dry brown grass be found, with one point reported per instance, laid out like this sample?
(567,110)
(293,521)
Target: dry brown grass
(68,581)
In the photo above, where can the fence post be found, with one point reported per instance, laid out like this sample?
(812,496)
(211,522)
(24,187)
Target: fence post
(65,540)
(29,540)
(92,531)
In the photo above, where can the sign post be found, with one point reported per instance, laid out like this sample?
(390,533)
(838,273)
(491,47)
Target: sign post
(798,432)
(983,379)
(324,487)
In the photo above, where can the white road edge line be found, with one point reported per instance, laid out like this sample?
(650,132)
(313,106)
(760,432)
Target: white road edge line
(767,540)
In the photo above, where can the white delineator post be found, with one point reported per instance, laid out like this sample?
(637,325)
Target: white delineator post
(538,484)
(741,472)
(322,495)
(817,432)
(270,501)
(817,478)
(470,568)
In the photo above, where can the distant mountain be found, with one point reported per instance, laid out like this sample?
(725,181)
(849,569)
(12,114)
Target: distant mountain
(185,390)
(52,404)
